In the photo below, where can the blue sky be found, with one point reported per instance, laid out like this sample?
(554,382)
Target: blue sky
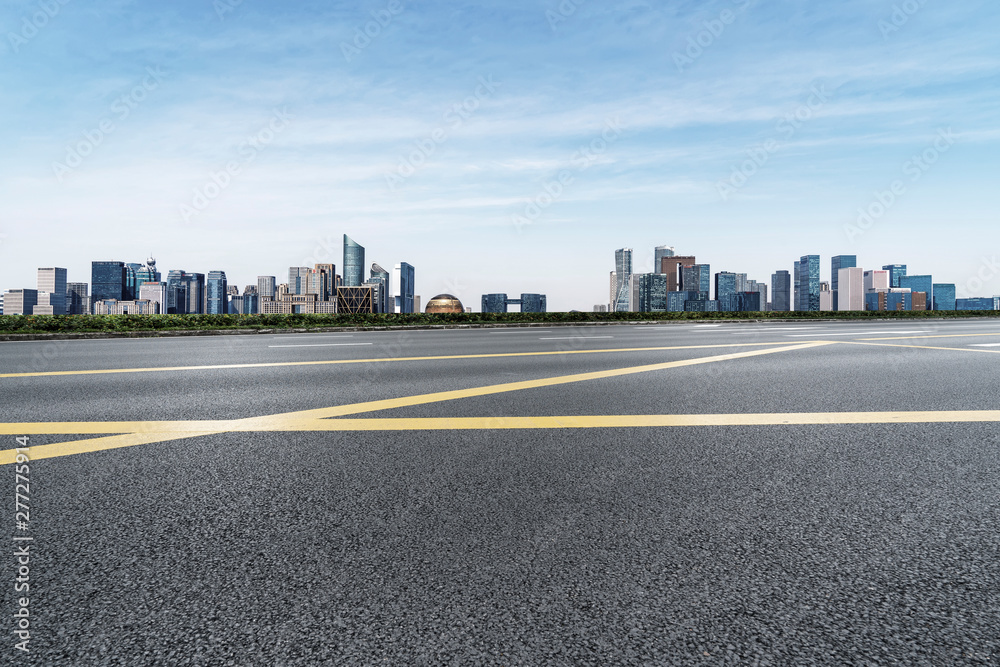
(250,136)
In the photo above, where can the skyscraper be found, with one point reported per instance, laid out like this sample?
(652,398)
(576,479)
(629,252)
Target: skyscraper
(807,283)
(696,278)
(266,287)
(725,291)
(53,280)
(77,299)
(298,276)
(876,281)
(923,284)
(403,277)
(896,271)
(107,280)
(354,263)
(381,277)
(670,267)
(944,296)
(217,293)
(836,264)
(623,279)
(851,281)
(652,293)
(659,253)
(154,292)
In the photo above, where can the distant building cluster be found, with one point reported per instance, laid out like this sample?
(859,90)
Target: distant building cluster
(681,284)
(119,288)
(499,303)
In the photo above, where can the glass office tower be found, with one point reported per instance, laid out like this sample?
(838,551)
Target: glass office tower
(896,271)
(354,263)
(944,296)
(107,280)
(807,283)
(216,293)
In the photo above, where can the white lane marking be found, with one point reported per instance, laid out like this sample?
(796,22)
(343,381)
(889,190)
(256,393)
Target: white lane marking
(523,331)
(324,345)
(700,326)
(576,338)
(985,345)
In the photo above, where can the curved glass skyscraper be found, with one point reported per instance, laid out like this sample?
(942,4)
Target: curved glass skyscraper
(354,263)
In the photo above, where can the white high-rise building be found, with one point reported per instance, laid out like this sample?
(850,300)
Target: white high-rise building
(154,292)
(851,288)
(876,281)
(53,281)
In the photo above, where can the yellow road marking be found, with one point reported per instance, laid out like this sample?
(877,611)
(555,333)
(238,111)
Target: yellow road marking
(935,336)
(328,362)
(923,347)
(137,433)
(407,401)
(512,423)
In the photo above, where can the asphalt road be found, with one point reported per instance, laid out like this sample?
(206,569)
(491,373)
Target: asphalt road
(379,498)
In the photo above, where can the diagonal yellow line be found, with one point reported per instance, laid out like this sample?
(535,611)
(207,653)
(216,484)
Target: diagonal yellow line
(137,433)
(329,362)
(57,449)
(438,397)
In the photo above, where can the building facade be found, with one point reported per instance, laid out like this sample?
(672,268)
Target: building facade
(354,263)
(781,291)
(403,282)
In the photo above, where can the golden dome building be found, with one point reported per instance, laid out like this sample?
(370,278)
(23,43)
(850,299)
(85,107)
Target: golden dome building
(444,303)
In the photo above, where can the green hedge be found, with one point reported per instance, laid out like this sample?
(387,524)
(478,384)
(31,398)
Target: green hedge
(126,323)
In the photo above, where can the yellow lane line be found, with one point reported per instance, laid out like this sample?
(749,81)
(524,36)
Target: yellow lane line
(99,444)
(137,433)
(328,362)
(936,336)
(437,397)
(516,423)
(924,347)
(642,421)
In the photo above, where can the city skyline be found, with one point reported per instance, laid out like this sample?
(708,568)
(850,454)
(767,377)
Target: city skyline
(226,136)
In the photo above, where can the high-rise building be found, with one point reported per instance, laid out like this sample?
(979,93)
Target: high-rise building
(494,303)
(807,283)
(944,296)
(266,287)
(851,282)
(196,293)
(725,290)
(380,277)
(836,264)
(781,291)
(217,293)
(154,293)
(671,267)
(623,280)
(78,298)
(403,276)
(251,300)
(922,283)
(877,281)
(20,301)
(896,271)
(108,280)
(185,292)
(53,281)
(653,293)
(696,278)
(659,253)
(354,263)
